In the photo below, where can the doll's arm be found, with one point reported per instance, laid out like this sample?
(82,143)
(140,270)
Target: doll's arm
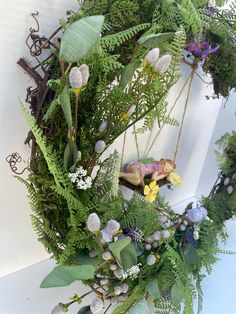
(156,176)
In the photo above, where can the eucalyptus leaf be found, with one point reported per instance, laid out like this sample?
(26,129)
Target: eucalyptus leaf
(65,104)
(128,257)
(62,276)
(117,246)
(152,40)
(85,310)
(153,289)
(70,155)
(127,74)
(80,37)
(85,260)
(190,254)
(140,308)
(176,295)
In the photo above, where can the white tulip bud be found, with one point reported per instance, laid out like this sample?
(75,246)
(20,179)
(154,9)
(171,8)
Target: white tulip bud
(106,256)
(151,260)
(131,110)
(84,70)
(162,65)
(58,309)
(124,287)
(100,146)
(113,227)
(93,223)
(157,236)
(152,56)
(165,234)
(117,290)
(75,78)
(96,306)
(103,126)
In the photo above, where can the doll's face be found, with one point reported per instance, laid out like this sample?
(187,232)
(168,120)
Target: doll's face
(167,167)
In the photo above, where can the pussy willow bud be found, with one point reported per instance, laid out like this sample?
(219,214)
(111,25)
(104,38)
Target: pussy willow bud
(165,234)
(84,70)
(113,227)
(131,110)
(117,290)
(58,309)
(106,256)
(100,146)
(151,260)
(103,126)
(96,306)
(162,65)
(93,223)
(152,56)
(75,78)
(124,287)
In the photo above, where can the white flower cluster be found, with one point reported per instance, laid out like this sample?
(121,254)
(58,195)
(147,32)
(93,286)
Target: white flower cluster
(132,272)
(81,179)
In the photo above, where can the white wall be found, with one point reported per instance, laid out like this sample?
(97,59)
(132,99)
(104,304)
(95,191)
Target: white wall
(18,244)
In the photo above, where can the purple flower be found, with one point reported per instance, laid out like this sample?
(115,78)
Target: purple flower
(201,50)
(210,10)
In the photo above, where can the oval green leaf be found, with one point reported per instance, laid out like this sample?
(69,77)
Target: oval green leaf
(80,37)
(128,257)
(85,310)
(176,295)
(140,308)
(153,289)
(70,155)
(65,104)
(62,276)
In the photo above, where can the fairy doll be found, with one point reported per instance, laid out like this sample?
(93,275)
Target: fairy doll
(156,170)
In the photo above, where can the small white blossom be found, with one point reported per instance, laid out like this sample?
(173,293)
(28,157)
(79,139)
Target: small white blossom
(162,65)
(96,306)
(152,56)
(151,260)
(83,182)
(132,272)
(93,223)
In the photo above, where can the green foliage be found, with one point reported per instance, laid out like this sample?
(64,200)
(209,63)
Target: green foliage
(62,276)
(80,37)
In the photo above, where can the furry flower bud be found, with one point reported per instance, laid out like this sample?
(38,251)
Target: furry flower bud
(58,309)
(96,306)
(151,260)
(152,56)
(75,78)
(162,65)
(131,110)
(165,234)
(113,227)
(124,287)
(84,70)
(103,126)
(93,223)
(100,146)
(106,256)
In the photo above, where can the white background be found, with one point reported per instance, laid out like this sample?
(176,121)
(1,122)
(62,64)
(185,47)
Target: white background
(205,122)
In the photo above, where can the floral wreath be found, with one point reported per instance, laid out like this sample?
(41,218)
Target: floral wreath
(110,65)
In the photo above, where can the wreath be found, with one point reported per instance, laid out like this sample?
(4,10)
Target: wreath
(110,65)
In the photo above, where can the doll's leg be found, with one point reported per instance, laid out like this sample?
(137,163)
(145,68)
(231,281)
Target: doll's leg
(132,176)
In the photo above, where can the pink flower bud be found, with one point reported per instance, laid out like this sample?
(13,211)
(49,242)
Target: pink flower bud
(152,56)
(162,65)
(75,78)
(84,70)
